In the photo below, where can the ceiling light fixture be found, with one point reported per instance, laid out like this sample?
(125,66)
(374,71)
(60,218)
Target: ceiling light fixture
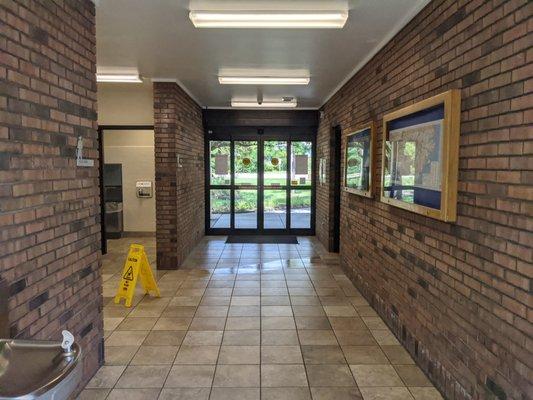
(119,78)
(259,80)
(268,19)
(265,104)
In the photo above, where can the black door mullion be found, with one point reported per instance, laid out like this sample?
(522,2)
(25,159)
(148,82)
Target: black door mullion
(288,192)
(232,182)
(260,182)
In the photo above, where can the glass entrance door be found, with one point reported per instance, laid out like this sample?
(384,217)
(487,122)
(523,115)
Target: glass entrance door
(262,186)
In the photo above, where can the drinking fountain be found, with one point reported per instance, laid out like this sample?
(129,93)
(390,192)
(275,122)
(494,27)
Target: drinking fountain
(35,369)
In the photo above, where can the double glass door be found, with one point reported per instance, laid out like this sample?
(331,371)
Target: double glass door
(260,186)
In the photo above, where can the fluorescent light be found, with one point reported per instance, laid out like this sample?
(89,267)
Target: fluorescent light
(268,19)
(264,104)
(129,78)
(258,80)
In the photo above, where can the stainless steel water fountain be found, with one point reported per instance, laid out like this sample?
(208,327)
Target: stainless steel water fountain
(33,369)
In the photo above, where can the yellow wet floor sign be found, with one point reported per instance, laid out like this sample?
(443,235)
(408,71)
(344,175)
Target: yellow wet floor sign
(136,265)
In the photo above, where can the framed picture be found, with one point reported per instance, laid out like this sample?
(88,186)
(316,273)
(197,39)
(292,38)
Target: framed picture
(322,171)
(420,156)
(359,161)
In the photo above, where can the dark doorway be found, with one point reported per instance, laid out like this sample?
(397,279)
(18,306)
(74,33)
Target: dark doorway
(335,157)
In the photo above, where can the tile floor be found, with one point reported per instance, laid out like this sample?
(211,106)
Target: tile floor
(250,322)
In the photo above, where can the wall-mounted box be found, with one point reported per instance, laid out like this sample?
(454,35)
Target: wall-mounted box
(144,189)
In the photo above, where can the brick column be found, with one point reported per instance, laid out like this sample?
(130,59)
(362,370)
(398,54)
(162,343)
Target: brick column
(179,188)
(49,207)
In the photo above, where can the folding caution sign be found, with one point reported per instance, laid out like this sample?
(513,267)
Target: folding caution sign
(136,266)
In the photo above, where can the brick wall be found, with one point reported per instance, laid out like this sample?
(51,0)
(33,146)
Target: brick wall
(457,295)
(49,208)
(179,189)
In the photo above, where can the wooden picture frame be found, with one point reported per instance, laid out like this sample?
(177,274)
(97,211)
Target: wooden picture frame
(367,129)
(438,116)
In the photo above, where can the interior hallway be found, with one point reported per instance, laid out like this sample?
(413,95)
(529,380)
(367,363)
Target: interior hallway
(250,321)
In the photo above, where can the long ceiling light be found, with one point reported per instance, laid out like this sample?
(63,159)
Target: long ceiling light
(268,19)
(258,80)
(122,78)
(265,104)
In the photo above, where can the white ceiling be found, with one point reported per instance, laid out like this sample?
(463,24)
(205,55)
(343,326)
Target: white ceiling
(157,38)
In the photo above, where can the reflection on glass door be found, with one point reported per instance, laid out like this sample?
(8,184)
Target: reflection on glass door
(245,161)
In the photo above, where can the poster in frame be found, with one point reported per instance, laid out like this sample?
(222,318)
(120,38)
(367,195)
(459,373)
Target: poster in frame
(359,155)
(420,156)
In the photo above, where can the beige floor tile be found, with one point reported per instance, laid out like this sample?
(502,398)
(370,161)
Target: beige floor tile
(93,394)
(279,337)
(237,376)
(374,323)
(133,394)
(172,324)
(340,311)
(164,338)
(185,394)
(143,376)
(126,338)
(336,393)
(155,355)
(412,375)
(197,338)
(397,355)
(273,323)
(308,311)
(179,311)
(190,376)
(347,323)
(106,377)
(219,393)
(305,301)
(212,311)
(281,355)
(281,375)
(244,311)
(364,355)
(275,301)
(243,323)
(355,338)
(242,338)
(197,355)
(375,375)
(323,355)
(329,375)
(317,337)
(137,324)
(239,355)
(312,323)
(385,337)
(208,324)
(385,393)
(245,301)
(425,393)
(119,355)
(285,393)
(111,323)
(276,311)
